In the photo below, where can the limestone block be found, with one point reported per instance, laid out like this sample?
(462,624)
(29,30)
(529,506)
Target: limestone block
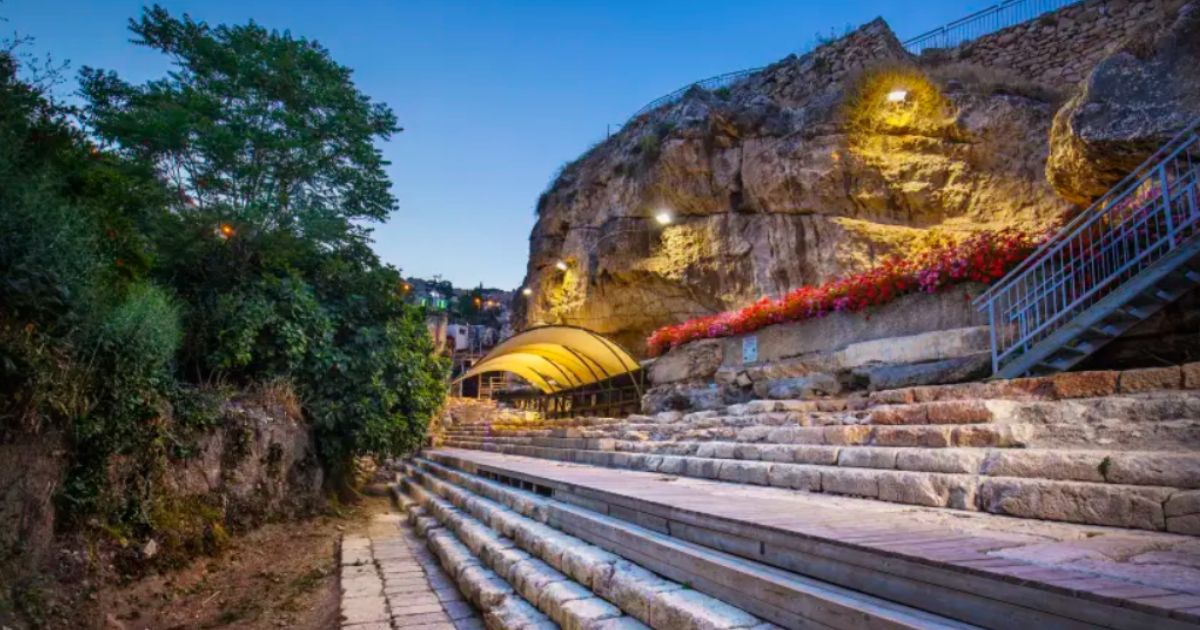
(1191,375)
(958,412)
(702,468)
(926,436)
(632,588)
(1150,379)
(940,460)
(1177,470)
(1062,465)
(517,613)
(795,476)
(1084,384)
(867,457)
(913,489)
(777,453)
(858,483)
(484,588)
(1076,502)
(556,595)
(745,472)
(691,609)
(899,414)
(584,614)
(814,454)
(531,577)
(696,361)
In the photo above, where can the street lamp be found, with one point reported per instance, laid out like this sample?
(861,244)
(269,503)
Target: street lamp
(898,95)
(664,217)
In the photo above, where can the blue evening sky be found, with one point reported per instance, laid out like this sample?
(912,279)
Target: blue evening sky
(493,96)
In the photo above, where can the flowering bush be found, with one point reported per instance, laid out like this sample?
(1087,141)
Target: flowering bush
(982,258)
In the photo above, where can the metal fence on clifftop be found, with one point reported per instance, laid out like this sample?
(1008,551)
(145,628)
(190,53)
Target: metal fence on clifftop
(989,20)
(994,18)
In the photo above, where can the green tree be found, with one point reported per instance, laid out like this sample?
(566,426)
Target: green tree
(254,128)
(264,134)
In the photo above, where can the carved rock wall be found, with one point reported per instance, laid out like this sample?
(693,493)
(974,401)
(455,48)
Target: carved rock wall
(805,171)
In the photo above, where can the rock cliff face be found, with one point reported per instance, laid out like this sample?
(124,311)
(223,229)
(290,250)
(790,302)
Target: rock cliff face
(1134,100)
(805,170)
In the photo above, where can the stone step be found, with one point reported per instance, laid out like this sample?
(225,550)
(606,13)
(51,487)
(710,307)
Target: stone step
(927,435)
(777,595)
(1015,486)
(565,575)
(501,606)
(978,568)
(1138,468)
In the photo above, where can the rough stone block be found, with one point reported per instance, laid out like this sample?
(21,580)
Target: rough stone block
(899,414)
(584,614)
(1084,384)
(1176,470)
(692,609)
(858,483)
(795,476)
(813,454)
(633,588)
(745,472)
(1191,375)
(556,595)
(1076,502)
(958,412)
(702,468)
(1150,379)
(867,457)
(913,489)
(940,460)
(777,453)
(926,436)
(1061,465)
(845,435)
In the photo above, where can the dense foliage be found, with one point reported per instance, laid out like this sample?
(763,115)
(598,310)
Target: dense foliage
(205,227)
(982,258)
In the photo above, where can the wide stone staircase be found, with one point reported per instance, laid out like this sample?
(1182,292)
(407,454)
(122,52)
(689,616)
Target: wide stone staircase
(509,552)
(1052,502)
(1100,448)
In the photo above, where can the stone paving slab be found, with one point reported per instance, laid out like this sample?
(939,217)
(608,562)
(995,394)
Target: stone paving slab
(390,581)
(1136,569)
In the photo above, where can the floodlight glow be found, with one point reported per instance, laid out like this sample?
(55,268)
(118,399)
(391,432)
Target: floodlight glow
(561,265)
(664,217)
(897,96)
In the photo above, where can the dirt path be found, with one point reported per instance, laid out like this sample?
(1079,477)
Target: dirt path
(281,575)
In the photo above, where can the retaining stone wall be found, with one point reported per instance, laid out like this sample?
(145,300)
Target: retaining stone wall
(1063,46)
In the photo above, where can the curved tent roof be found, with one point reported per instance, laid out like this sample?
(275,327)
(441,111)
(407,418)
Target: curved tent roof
(554,358)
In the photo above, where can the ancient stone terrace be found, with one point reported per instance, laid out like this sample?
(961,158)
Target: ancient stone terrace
(1064,501)
(1098,448)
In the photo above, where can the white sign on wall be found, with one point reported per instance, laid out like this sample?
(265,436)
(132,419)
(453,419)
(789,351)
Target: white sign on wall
(749,349)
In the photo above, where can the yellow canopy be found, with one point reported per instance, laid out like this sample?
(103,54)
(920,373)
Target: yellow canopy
(554,358)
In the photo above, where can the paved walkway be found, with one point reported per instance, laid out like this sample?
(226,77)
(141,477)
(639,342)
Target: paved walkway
(1149,570)
(391,581)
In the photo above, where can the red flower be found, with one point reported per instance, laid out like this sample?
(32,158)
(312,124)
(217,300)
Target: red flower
(984,257)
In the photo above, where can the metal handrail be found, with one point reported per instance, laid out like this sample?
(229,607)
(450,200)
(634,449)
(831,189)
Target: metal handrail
(1150,213)
(1003,15)
(983,22)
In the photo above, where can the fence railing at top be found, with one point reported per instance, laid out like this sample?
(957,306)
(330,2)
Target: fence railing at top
(985,22)
(1145,217)
(989,20)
